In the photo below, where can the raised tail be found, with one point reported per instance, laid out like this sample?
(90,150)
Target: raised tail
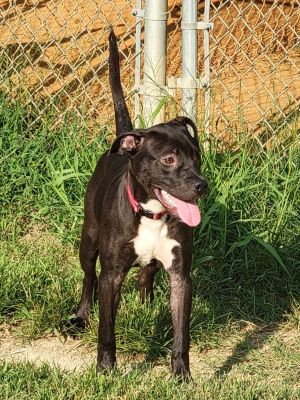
(122,118)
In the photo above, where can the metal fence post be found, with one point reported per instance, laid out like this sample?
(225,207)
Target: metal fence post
(155,48)
(206,72)
(139,14)
(189,58)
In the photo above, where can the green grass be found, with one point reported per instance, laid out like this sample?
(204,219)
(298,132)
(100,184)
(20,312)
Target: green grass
(246,266)
(23,381)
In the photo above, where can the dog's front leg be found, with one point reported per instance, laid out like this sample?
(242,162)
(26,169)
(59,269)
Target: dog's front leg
(181,300)
(110,281)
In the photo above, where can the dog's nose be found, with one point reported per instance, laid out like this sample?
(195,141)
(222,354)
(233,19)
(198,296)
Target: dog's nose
(201,185)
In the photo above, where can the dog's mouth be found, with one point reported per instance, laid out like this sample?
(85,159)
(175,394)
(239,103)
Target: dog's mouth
(188,213)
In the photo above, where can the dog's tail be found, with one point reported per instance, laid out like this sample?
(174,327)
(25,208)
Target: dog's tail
(122,118)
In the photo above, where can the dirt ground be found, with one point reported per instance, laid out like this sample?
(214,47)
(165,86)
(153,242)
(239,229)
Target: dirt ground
(66,353)
(252,345)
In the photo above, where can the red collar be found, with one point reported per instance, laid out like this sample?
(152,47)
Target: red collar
(138,209)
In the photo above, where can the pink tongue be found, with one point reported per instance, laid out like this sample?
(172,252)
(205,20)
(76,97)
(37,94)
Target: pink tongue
(189,213)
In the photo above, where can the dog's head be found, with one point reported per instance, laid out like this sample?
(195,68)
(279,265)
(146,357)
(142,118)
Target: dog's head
(166,162)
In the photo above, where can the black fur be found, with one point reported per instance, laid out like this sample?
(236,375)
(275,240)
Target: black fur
(122,118)
(110,223)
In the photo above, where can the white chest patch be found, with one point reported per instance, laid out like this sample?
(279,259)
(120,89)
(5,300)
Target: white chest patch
(152,241)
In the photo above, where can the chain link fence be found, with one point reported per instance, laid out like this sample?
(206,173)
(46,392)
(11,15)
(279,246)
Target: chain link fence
(56,52)
(255,68)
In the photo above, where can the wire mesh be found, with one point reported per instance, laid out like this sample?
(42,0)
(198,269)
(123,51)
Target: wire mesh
(56,51)
(255,68)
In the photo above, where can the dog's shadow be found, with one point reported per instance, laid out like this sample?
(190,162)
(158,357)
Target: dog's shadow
(253,340)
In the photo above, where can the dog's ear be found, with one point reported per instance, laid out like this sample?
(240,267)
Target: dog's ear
(190,127)
(128,142)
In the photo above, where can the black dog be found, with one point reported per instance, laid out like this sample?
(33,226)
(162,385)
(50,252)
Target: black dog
(140,207)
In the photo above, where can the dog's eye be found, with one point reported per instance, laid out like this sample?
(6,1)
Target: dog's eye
(168,160)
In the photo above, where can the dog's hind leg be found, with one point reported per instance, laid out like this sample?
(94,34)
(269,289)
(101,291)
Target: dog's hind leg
(146,280)
(88,256)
